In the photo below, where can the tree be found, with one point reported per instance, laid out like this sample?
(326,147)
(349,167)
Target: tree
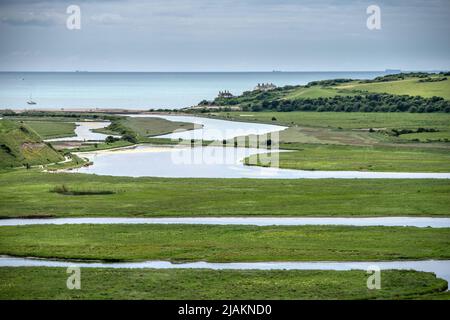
(130,138)
(110,139)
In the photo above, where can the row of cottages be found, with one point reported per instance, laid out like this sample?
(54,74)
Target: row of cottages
(259,87)
(225,94)
(265,87)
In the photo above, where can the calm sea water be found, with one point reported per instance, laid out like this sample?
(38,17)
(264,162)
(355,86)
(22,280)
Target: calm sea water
(140,90)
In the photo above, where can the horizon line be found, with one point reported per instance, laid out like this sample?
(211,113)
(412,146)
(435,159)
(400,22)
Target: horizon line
(218,71)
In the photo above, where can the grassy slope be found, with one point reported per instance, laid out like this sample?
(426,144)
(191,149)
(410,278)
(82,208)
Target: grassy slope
(50,283)
(52,129)
(409,86)
(315,92)
(225,243)
(20,145)
(27,193)
(386,159)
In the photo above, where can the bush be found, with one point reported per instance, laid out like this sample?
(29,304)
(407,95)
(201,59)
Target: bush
(110,139)
(130,138)
(63,189)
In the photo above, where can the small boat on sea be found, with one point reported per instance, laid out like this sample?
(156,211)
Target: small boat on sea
(30,101)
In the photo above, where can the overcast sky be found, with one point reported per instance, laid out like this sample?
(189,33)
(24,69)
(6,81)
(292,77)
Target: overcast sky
(224,35)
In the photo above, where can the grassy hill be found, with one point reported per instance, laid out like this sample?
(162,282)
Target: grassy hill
(21,146)
(52,129)
(413,92)
(433,86)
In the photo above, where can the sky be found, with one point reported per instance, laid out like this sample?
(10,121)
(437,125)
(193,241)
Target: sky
(224,35)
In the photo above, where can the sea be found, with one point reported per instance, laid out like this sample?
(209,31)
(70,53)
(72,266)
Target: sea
(141,90)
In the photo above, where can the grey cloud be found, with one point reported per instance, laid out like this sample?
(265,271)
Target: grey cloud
(40,19)
(107,18)
(225,34)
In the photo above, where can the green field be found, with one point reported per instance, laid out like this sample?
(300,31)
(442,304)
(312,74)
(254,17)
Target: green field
(314,93)
(27,193)
(409,86)
(349,128)
(350,158)
(320,141)
(345,120)
(327,136)
(214,243)
(427,136)
(21,146)
(99,284)
(52,129)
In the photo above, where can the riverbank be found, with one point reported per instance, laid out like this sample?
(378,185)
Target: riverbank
(419,222)
(27,193)
(49,283)
(213,243)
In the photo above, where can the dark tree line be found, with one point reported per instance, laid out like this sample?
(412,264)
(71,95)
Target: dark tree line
(360,103)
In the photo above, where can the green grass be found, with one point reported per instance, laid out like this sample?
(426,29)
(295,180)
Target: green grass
(349,128)
(20,145)
(50,283)
(346,120)
(285,93)
(65,190)
(52,129)
(427,136)
(147,127)
(75,162)
(26,193)
(351,158)
(315,92)
(214,243)
(309,135)
(101,146)
(409,86)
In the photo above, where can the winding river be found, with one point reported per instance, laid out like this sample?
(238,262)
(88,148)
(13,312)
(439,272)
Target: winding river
(214,162)
(222,162)
(419,222)
(83,132)
(214,129)
(440,267)
(209,161)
